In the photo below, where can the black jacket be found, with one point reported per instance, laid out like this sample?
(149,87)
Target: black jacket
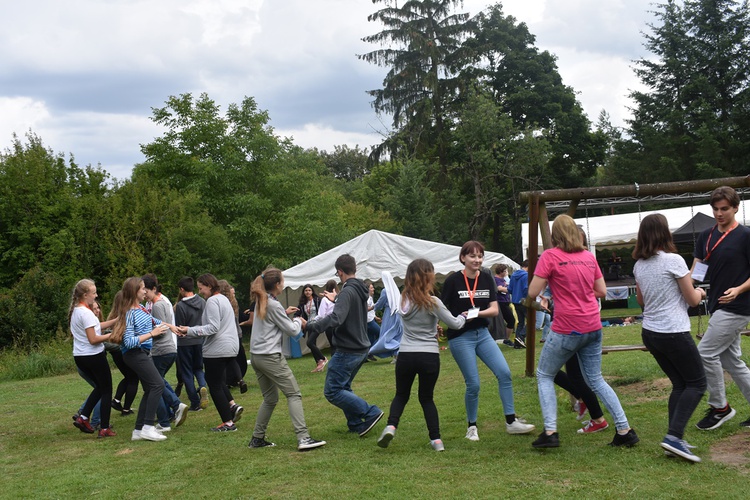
(349,317)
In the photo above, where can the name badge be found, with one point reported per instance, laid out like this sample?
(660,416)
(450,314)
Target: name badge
(700,270)
(472,313)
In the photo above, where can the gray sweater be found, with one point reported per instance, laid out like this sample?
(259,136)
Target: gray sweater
(218,328)
(165,343)
(269,331)
(420,326)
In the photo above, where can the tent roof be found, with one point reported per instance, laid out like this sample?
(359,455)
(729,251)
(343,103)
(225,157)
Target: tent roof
(620,229)
(692,228)
(378,251)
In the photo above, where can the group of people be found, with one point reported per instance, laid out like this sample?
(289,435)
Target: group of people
(469,301)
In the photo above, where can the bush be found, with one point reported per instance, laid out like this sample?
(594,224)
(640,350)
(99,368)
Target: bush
(51,358)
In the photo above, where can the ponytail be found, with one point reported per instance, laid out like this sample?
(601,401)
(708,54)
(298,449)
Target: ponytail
(260,287)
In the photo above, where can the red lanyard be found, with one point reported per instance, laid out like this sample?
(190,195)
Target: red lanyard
(471,292)
(153,323)
(708,242)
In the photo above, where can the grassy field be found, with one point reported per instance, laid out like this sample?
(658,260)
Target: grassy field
(43,456)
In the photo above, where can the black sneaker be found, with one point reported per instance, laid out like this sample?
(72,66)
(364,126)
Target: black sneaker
(518,344)
(260,443)
(715,417)
(369,424)
(626,440)
(236,412)
(521,342)
(224,428)
(547,440)
(178,389)
(243,387)
(746,423)
(309,443)
(116,405)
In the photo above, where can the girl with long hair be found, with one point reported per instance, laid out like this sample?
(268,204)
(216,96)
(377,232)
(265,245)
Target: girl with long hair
(135,331)
(576,281)
(124,395)
(474,291)
(270,324)
(235,372)
(419,353)
(90,356)
(220,347)
(308,309)
(664,288)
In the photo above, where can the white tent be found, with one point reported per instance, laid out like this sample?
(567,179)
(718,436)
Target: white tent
(622,229)
(377,251)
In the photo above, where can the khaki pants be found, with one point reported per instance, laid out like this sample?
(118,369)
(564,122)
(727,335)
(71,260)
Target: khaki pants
(274,374)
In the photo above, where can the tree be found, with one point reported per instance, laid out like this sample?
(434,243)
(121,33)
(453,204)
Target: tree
(692,122)
(425,38)
(529,89)
(347,163)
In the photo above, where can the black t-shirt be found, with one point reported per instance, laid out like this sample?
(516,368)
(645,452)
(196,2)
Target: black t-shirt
(456,298)
(728,266)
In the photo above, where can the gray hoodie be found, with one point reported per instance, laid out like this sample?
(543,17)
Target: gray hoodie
(189,312)
(420,326)
(349,317)
(218,329)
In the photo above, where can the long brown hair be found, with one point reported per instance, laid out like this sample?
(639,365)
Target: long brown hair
(81,289)
(653,235)
(226,290)
(565,235)
(419,284)
(261,287)
(129,296)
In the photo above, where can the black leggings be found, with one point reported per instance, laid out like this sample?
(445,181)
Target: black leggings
(96,368)
(128,386)
(236,371)
(153,385)
(572,381)
(216,379)
(408,366)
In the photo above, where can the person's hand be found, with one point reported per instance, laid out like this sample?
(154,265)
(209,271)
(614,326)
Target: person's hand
(303,322)
(162,328)
(181,331)
(291,310)
(378,319)
(729,295)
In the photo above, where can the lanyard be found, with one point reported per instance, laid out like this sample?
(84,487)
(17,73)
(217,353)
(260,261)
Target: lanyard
(471,292)
(153,323)
(708,242)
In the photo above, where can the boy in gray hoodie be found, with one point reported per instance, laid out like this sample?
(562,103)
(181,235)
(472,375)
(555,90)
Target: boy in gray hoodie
(349,317)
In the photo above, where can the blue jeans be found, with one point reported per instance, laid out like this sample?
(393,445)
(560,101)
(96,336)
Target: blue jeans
(342,368)
(191,366)
(543,322)
(465,349)
(169,400)
(521,326)
(373,332)
(556,351)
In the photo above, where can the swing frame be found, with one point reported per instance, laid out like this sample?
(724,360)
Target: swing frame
(619,195)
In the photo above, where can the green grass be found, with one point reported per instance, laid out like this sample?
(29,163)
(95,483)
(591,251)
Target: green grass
(43,456)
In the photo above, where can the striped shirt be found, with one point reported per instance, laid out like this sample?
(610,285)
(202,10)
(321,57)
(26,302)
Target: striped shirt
(138,322)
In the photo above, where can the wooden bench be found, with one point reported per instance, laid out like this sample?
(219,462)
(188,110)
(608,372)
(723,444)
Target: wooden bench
(606,349)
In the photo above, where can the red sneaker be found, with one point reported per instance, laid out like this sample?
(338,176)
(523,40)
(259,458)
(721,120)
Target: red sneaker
(108,432)
(592,427)
(84,425)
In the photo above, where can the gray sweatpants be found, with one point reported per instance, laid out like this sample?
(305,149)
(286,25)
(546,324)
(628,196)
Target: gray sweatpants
(274,374)
(720,350)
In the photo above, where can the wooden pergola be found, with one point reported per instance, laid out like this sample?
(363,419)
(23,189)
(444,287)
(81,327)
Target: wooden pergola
(539,220)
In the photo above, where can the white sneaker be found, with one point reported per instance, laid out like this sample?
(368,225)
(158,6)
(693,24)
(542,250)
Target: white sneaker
(180,414)
(472,434)
(386,436)
(161,429)
(150,433)
(437,444)
(518,427)
(136,435)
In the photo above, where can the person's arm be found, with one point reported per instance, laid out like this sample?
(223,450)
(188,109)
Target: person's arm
(639,295)
(444,315)
(492,310)
(94,338)
(692,296)
(276,314)
(212,315)
(536,287)
(337,316)
(600,288)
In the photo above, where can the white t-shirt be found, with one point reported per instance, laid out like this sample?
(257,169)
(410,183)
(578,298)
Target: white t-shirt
(370,312)
(81,319)
(665,309)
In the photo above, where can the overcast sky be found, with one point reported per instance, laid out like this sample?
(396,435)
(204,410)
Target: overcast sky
(84,74)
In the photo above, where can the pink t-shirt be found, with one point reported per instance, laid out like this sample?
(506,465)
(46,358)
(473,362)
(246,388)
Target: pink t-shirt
(571,278)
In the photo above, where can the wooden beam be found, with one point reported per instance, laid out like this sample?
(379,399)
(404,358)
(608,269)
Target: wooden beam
(530,313)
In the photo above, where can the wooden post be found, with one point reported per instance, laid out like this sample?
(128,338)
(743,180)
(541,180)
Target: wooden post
(530,313)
